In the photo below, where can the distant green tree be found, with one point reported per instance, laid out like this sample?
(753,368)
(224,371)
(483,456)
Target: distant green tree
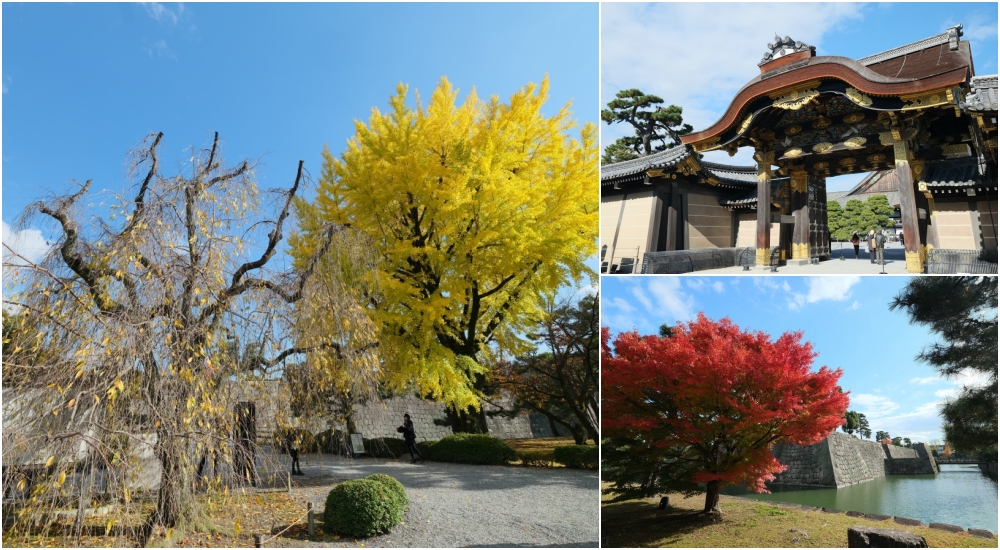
(876,212)
(666,331)
(854,217)
(963,313)
(907,443)
(864,429)
(650,121)
(619,151)
(851,422)
(897,441)
(880,435)
(836,222)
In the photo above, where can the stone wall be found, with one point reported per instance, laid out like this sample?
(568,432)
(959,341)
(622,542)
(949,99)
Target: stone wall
(808,465)
(841,460)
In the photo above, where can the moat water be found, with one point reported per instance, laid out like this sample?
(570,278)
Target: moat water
(961,495)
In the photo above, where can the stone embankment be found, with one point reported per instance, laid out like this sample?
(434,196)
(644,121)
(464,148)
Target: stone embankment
(841,460)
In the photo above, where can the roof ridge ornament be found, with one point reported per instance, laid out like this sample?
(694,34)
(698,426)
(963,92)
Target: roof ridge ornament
(785,46)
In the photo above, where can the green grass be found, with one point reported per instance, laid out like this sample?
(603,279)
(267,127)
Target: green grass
(746,524)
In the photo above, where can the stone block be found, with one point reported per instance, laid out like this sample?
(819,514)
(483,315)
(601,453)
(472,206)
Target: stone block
(877,517)
(946,527)
(854,514)
(907,521)
(859,536)
(833,511)
(981,533)
(808,508)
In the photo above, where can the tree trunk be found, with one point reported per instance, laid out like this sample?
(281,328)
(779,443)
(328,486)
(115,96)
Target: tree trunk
(176,505)
(467,421)
(712,499)
(580,433)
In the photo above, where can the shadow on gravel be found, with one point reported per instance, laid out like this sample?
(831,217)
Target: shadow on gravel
(330,470)
(587,544)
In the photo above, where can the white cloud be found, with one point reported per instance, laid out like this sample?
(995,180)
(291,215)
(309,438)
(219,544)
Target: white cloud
(949,393)
(925,381)
(824,288)
(695,283)
(672,304)
(160,49)
(619,304)
(695,65)
(718,287)
(28,243)
(6,79)
(162,13)
(873,406)
(853,306)
(922,424)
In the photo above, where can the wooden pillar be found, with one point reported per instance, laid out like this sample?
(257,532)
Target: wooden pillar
(764,160)
(799,200)
(672,209)
(907,204)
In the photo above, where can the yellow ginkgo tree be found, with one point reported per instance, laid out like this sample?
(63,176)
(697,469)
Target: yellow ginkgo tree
(477,211)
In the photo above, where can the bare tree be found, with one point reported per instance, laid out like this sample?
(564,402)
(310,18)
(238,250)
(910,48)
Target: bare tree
(147,302)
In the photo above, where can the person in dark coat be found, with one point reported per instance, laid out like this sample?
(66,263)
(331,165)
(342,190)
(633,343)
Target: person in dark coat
(856,241)
(871,245)
(410,437)
(292,444)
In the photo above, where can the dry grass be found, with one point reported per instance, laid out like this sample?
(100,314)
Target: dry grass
(746,524)
(540,451)
(237,518)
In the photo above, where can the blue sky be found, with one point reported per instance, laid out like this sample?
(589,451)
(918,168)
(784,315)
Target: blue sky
(846,318)
(83,83)
(698,55)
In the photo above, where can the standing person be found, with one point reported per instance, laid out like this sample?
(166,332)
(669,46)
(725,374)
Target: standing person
(880,247)
(410,437)
(856,241)
(901,243)
(871,245)
(292,444)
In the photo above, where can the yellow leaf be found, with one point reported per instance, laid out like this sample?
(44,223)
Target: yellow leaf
(22,484)
(50,461)
(71,403)
(108,526)
(120,385)
(237,527)
(62,478)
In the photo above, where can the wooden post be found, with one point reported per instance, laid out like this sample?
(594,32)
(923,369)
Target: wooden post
(799,199)
(907,203)
(288,480)
(312,516)
(258,541)
(764,160)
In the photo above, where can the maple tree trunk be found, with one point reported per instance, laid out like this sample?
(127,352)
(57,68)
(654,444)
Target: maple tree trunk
(468,420)
(712,499)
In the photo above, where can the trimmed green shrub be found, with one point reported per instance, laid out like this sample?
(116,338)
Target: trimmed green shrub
(577,456)
(393,485)
(363,508)
(386,447)
(538,459)
(470,449)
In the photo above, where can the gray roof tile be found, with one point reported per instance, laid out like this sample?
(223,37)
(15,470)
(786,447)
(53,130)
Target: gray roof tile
(663,159)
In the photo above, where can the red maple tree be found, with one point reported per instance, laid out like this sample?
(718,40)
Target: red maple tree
(719,398)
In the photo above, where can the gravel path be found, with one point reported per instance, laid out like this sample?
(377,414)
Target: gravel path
(456,505)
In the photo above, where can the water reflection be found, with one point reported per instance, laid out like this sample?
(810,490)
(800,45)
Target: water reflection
(961,494)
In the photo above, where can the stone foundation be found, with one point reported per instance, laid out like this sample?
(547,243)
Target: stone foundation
(841,460)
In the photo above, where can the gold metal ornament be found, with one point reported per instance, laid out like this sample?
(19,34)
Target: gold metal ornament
(821,122)
(746,124)
(702,146)
(856,142)
(877,157)
(924,99)
(821,166)
(793,152)
(849,161)
(854,117)
(795,98)
(858,98)
(792,130)
(822,147)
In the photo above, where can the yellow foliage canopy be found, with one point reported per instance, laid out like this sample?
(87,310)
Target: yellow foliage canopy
(477,211)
